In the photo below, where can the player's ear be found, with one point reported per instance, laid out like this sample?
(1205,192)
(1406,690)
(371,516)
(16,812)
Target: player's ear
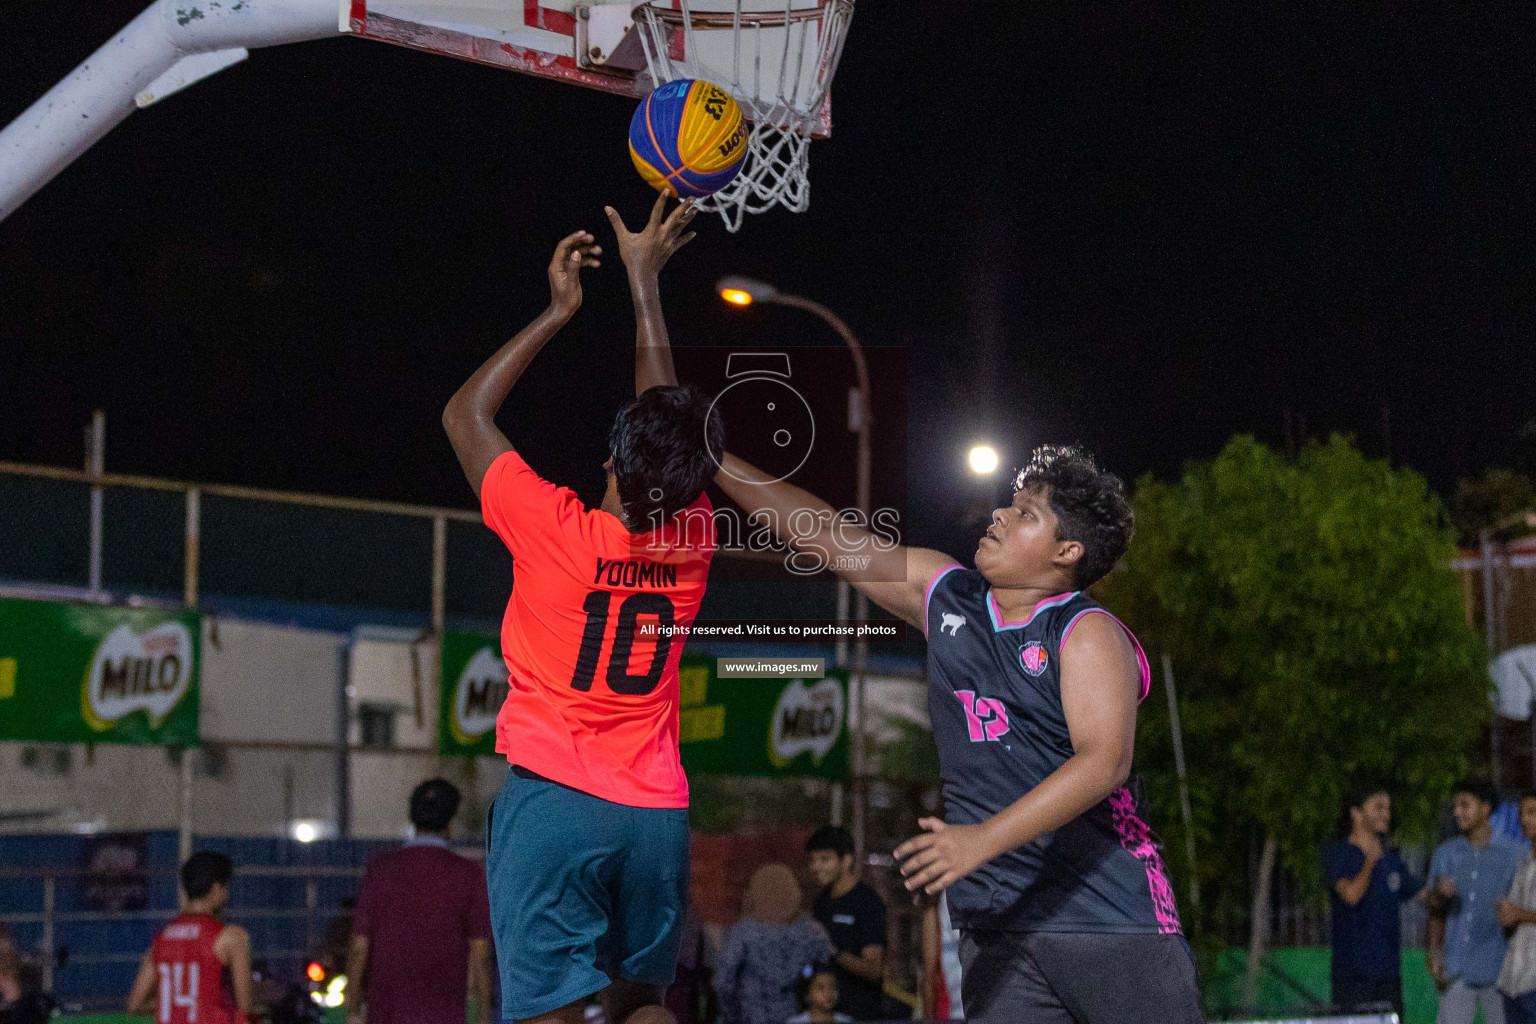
(608,466)
(1068,552)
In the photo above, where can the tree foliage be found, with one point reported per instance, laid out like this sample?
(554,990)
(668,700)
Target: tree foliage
(1316,630)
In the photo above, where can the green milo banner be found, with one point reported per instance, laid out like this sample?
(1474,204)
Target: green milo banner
(727,726)
(474,684)
(763,726)
(82,673)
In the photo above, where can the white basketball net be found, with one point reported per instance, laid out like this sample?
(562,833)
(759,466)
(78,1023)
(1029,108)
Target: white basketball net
(778,61)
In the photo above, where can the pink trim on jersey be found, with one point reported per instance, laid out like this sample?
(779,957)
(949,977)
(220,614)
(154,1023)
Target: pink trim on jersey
(1136,839)
(1141,655)
(928,594)
(997,613)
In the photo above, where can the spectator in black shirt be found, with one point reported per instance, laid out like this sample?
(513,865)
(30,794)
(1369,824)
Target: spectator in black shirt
(854,916)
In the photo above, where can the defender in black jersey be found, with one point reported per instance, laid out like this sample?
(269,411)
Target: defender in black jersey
(1054,880)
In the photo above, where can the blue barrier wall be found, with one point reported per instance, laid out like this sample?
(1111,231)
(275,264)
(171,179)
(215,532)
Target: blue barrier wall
(84,980)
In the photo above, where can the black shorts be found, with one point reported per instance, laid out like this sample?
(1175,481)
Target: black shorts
(1077,978)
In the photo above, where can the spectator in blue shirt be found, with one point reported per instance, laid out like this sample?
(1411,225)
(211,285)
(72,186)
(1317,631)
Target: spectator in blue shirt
(1469,875)
(1367,880)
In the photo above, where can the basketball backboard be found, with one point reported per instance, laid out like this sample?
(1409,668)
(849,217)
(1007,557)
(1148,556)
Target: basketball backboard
(596,43)
(777,57)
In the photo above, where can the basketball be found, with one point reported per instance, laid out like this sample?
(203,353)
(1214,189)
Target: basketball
(688,136)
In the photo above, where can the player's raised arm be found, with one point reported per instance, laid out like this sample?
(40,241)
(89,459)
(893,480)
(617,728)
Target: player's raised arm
(893,576)
(470,417)
(644,253)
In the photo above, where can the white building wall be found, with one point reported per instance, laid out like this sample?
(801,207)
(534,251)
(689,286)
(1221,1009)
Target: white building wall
(268,726)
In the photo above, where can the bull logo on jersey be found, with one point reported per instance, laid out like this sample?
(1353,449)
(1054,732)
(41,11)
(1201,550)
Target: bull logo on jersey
(1034,658)
(952,623)
(807,719)
(131,672)
(477,696)
(985,718)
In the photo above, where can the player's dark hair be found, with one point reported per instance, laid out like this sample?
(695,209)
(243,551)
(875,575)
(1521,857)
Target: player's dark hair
(1478,788)
(831,837)
(1356,793)
(1089,503)
(803,983)
(202,870)
(433,805)
(661,444)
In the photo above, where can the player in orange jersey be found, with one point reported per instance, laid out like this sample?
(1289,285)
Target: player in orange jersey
(198,969)
(587,844)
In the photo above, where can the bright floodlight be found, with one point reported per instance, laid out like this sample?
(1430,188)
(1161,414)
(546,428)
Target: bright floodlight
(983,459)
(743,291)
(305,831)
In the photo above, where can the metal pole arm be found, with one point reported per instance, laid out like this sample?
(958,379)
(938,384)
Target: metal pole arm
(171,44)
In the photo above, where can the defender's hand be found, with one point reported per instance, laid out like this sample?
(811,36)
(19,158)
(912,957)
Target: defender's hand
(1510,913)
(646,251)
(942,856)
(574,252)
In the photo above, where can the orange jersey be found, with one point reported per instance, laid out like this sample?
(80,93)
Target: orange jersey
(593,690)
(192,985)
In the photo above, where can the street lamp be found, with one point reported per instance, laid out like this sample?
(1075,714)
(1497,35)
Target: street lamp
(983,460)
(744,291)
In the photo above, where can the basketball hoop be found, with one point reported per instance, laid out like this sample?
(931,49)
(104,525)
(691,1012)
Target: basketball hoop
(777,62)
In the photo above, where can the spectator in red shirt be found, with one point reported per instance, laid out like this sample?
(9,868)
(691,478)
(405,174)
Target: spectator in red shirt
(421,933)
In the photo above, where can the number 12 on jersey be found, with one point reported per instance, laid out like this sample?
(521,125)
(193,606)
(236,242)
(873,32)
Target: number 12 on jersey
(635,605)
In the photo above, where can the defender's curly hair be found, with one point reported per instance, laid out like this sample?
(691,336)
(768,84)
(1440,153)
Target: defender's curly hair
(1089,503)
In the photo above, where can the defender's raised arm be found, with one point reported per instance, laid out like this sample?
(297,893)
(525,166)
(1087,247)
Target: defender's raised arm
(893,576)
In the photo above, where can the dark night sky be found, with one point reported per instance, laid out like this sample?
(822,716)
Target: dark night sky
(1141,226)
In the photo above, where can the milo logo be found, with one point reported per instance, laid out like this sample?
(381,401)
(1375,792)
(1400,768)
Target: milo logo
(130,672)
(478,694)
(807,719)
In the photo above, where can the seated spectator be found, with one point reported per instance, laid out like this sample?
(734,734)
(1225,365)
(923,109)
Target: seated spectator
(768,950)
(817,994)
(1517,979)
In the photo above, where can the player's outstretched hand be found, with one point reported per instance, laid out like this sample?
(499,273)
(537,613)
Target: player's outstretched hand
(646,251)
(942,855)
(575,251)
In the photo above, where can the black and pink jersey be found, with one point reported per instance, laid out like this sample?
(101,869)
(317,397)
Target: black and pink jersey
(994,694)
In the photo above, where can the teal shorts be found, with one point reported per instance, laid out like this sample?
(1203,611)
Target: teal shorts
(583,891)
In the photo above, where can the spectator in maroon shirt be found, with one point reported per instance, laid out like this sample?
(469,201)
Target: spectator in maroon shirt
(421,933)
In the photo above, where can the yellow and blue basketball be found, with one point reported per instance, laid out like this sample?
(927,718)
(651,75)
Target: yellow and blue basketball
(688,136)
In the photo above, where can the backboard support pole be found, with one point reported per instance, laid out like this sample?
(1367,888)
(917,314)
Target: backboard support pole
(172,43)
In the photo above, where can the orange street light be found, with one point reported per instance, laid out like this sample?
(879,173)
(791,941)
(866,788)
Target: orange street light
(743,291)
